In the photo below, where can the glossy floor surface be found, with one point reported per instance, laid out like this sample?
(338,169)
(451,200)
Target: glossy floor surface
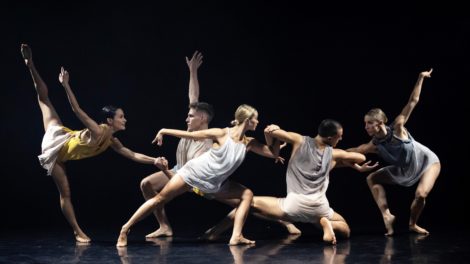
(59,247)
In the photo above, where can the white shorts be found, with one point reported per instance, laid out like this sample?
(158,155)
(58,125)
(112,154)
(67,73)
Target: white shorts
(302,208)
(52,142)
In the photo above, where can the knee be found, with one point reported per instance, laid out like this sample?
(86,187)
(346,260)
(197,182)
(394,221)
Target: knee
(145,185)
(247,195)
(421,195)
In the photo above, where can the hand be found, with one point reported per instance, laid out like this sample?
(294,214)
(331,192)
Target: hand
(279,159)
(271,128)
(27,54)
(158,138)
(365,166)
(426,74)
(161,163)
(195,61)
(63,76)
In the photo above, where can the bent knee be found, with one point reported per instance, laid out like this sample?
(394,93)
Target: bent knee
(421,195)
(145,184)
(247,195)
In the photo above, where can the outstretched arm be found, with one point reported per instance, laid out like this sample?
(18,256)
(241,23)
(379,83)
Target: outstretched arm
(342,158)
(84,118)
(402,118)
(138,157)
(211,133)
(364,148)
(193,65)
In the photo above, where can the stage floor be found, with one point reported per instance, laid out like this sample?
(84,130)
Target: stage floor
(59,247)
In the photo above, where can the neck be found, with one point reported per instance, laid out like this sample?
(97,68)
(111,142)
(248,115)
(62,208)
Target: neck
(238,132)
(320,142)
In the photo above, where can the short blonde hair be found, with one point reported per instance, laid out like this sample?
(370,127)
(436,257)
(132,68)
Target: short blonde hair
(244,112)
(378,115)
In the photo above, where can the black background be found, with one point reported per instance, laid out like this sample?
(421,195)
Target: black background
(296,63)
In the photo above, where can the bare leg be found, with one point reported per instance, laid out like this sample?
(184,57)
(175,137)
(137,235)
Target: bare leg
(176,186)
(150,187)
(214,232)
(260,210)
(49,115)
(62,183)
(378,192)
(425,186)
(328,233)
(235,190)
(340,226)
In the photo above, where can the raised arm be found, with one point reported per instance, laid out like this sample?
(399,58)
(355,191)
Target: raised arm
(137,157)
(193,65)
(402,118)
(84,118)
(211,133)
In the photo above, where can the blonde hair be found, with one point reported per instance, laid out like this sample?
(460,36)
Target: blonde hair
(378,115)
(244,112)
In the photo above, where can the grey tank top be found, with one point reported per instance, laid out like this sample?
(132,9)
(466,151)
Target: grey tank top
(394,150)
(308,169)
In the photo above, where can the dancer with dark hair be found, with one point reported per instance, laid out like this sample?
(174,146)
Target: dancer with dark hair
(60,144)
(206,175)
(307,181)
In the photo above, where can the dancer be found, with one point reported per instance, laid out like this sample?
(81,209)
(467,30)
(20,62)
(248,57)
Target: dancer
(199,116)
(411,162)
(206,174)
(61,144)
(307,181)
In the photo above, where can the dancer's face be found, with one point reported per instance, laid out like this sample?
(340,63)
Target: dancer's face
(253,122)
(119,121)
(372,126)
(195,120)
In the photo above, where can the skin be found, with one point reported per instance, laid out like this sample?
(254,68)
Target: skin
(376,180)
(176,186)
(50,117)
(269,206)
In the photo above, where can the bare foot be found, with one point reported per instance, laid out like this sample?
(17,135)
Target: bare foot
(161,232)
(388,221)
(122,239)
(419,230)
(240,241)
(26,53)
(80,237)
(292,229)
(328,233)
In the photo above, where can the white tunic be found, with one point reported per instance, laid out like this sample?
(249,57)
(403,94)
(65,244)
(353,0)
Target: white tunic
(209,171)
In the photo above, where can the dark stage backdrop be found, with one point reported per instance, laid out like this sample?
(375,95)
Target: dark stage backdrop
(297,64)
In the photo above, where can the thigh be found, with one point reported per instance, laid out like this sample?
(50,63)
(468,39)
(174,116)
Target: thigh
(60,178)
(230,192)
(175,187)
(158,180)
(269,206)
(429,177)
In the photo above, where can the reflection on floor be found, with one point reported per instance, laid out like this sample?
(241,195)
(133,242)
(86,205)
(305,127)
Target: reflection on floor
(58,247)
